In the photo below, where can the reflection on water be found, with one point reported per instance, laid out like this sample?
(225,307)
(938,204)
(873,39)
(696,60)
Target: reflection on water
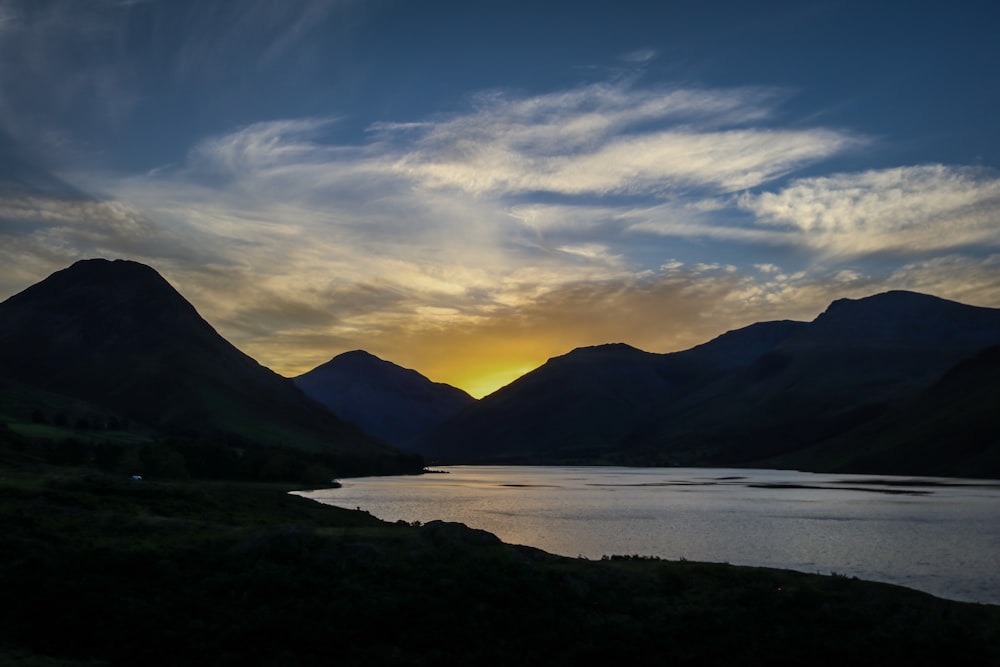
(934,534)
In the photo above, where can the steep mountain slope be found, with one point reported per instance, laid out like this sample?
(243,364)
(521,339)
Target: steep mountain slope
(750,396)
(905,317)
(735,349)
(388,401)
(853,363)
(116,334)
(580,405)
(950,428)
(563,410)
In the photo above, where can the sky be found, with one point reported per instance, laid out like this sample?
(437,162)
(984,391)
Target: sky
(471,188)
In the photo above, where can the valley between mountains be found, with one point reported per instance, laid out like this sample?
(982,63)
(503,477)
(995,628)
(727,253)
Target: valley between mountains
(108,355)
(897,382)
(145,464)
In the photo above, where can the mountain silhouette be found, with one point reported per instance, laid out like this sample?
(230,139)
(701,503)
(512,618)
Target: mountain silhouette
(750,396)
(576,405)
(573,406)
(852,363)
(950,428)
(388,401)
(116,334)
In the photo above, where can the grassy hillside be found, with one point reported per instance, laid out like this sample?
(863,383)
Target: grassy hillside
(950,428)
(102,570)
(102,342)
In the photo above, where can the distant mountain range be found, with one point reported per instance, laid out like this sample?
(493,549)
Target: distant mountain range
(898,382)
(388,401)
(886,383)
(117,336)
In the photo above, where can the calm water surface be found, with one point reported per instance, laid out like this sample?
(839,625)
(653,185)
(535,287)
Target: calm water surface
(934,534)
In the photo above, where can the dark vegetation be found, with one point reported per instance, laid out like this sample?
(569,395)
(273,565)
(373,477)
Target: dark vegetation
(53,429)
(107,373)
(101,569)
(179,459)
(108,354)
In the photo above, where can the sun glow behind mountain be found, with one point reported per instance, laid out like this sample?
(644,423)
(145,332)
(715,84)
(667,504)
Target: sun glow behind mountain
(484,383)
(468,189)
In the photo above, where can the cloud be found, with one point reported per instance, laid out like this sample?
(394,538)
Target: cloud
(597,252)
(75,49)
(609,139)
(221,38)
(651,164)
(40,234)
(972,280)
(667,310)
(87,227)
(481,242)
(639,56)
(904,210)
(8,17)
(78,78)
(698,219)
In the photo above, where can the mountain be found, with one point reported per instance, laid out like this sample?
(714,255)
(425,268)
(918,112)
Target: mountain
(116,334)
(571,407)
(393,403)
(855,361)
(749,397)
(576,405)
(950,427)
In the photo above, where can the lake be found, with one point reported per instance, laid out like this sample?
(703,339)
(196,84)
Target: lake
(939,535)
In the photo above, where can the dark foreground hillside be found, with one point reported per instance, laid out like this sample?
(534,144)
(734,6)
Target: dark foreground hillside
(106,570)
(112,347)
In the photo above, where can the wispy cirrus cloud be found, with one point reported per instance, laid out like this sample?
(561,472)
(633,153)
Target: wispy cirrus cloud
(903,210)
(219,34)
(73,49)
(610,139)
(80,79)
(522,226)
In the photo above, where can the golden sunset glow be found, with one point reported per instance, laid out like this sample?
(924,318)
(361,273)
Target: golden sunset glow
(486,381)
(470,216)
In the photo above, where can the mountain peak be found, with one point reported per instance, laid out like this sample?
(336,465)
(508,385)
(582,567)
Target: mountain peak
(123,273)
(895,299)
(357,358)
(117,334)
(359,363)
(103,264)
(100,299)
(900,316)
(601,351)
(357,354)
(100,270)
(394,403)
(111,282)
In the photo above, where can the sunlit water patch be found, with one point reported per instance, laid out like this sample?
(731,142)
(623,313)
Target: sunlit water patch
(934,534)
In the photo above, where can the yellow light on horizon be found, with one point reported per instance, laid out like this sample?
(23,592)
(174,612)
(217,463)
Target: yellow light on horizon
(485,383)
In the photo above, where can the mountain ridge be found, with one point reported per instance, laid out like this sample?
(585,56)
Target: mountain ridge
(120,338)
(748,396)
(386,400)
(116,333)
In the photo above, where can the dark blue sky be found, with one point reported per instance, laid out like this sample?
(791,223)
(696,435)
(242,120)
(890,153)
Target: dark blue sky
(137,83)
(470,187)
